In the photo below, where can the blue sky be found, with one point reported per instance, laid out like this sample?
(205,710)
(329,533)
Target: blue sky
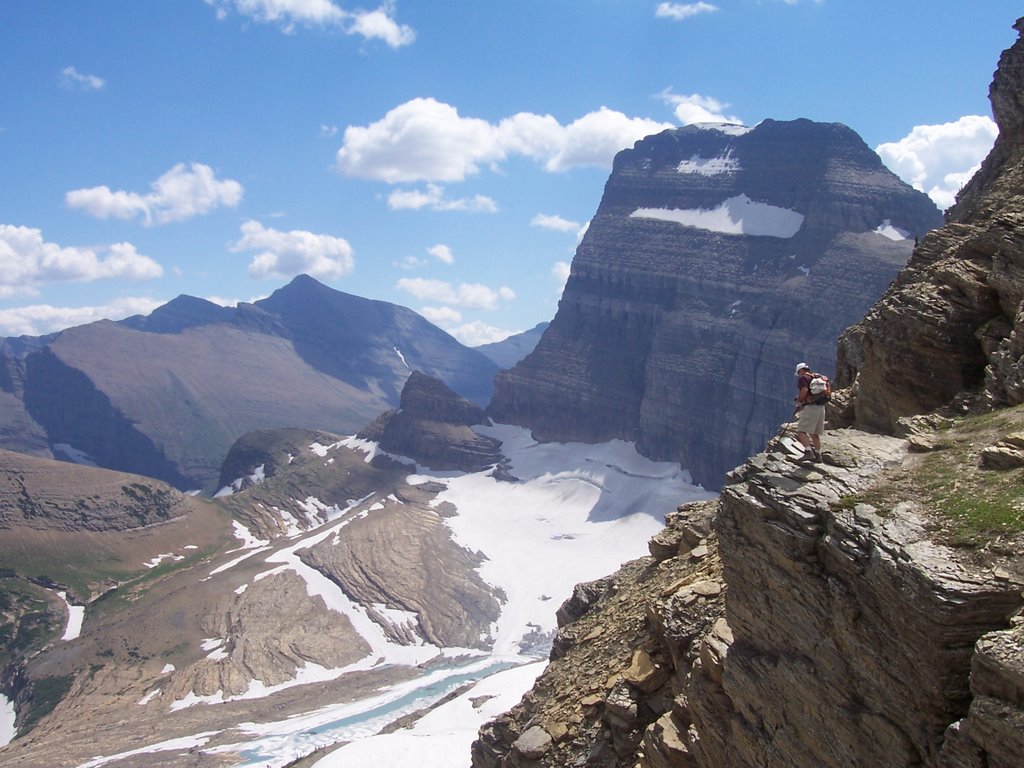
(441,155)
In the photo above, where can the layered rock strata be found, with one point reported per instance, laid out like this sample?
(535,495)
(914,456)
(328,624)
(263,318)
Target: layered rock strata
(719,257)
(433,426)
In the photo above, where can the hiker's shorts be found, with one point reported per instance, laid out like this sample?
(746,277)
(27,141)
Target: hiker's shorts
(811,420)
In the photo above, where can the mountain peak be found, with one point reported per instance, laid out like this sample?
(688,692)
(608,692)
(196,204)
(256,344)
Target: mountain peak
(179,313)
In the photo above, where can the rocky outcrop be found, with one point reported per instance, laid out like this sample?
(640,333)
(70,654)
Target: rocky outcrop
(807,629)
(433,426)
(397,557)
(719,258)
(612,665)
(420,585)
(952,321)
(41,494)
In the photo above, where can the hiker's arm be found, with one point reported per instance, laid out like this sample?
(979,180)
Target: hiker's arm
(801,398)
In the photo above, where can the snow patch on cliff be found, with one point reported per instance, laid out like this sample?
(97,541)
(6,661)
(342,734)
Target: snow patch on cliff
(736,216)
(886,229)
(710,166)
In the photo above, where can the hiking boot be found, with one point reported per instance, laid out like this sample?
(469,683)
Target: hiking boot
(817,456)
(809,455)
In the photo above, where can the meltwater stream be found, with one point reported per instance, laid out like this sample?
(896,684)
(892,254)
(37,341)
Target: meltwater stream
(278,743)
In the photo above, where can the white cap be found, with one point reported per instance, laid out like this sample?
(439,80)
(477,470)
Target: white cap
(800,368)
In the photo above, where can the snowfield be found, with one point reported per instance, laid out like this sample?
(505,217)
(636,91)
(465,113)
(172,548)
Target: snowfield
(576,513)
(736,216)
(7,714)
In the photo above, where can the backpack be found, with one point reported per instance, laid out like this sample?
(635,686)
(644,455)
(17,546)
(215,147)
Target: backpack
(820,389)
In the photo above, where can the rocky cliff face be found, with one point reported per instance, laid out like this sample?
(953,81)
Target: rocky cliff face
(865,611)
(792,623)
(952,322)
(719,257)
(433,426)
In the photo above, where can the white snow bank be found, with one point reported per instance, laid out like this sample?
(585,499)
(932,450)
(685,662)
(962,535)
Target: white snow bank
(886,229)
(401,357)
(576,514)
(372,449)
(441,738)
(257,689)
(731,129)
(580,511)
(148,697)
(249,541)
(160,558)
(231,564)
(184,743)
(736,216)
(76,616)
(710,166)
(258,476)
(7,715)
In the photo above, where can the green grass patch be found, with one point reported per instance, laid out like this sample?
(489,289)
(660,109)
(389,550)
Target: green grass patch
(968,506)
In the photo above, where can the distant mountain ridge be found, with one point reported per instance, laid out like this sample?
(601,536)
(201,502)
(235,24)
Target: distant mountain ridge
(720,256)
(166,394)
(508,352)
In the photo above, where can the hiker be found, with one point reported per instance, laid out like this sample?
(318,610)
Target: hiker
(813,391)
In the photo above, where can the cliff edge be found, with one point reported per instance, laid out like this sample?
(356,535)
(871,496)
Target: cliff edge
(865,611)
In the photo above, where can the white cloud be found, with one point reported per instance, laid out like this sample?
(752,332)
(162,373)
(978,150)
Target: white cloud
(560,271)
(940,159)
(26,260)
(442,316)
(680,11)
(177,195)
(287,13)
(595,138)
(427,140)
(286,254)
(74,80)
(442,253)
(465,295)
(327,131)
(697,109)
(434,198)
(472,334)
(378,25)
(476,333)
(557,223)
(40,319)
(372,25)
